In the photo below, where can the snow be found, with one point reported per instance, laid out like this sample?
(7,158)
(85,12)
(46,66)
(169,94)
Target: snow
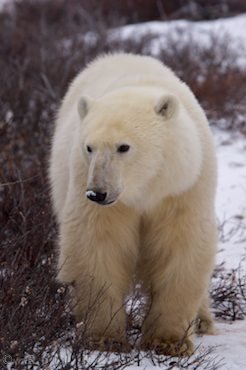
(231,210)
(204,34)
(231,198)
(230,342)
(235,27)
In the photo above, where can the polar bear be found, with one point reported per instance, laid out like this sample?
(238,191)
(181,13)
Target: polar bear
(133,179)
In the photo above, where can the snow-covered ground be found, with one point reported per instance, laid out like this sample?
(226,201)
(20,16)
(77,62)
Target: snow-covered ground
(230,340)
(231,198)
(182,31)
(233,27)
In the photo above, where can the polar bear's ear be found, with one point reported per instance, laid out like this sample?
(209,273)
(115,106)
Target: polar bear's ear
(84,106)
(167,106)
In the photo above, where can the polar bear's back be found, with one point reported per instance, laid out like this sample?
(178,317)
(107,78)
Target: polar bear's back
(111,71)
(107,71)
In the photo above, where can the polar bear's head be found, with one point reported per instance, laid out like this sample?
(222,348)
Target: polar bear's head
(138,147)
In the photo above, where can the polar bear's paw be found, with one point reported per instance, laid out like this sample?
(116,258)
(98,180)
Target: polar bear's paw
(109,344)
(169,347)
(205,325)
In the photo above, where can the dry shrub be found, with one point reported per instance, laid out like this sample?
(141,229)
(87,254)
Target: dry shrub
(228,293)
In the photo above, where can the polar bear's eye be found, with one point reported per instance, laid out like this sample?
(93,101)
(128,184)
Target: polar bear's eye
(89,148)
(123,148)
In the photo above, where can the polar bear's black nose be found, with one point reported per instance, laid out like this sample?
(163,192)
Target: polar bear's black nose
(96,196)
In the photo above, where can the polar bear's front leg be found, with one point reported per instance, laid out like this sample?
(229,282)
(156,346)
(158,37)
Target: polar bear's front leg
(98,251)
(168,327)
(178,278)
(99,307)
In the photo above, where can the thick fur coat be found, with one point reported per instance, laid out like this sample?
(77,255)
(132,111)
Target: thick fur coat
(133,178)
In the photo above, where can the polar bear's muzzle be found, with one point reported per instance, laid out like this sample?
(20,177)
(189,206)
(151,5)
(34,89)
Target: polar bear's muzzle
(103,184)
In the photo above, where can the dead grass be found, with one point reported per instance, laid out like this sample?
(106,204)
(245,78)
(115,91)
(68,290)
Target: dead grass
(36,67)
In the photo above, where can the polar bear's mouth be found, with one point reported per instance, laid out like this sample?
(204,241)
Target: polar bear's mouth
(107,203)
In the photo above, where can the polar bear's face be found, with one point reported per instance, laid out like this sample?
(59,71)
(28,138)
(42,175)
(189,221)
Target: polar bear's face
(125,146)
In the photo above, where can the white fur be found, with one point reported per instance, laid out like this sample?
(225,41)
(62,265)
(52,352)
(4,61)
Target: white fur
(161,224)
